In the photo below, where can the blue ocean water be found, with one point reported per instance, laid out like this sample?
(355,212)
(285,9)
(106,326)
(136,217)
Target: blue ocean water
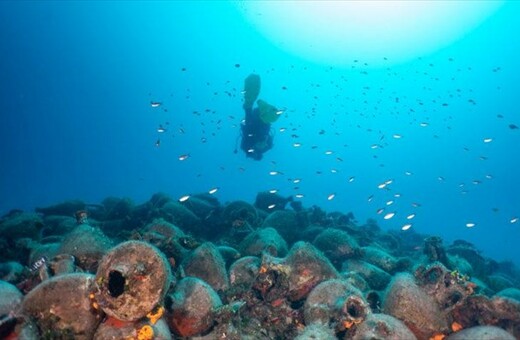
(78,80)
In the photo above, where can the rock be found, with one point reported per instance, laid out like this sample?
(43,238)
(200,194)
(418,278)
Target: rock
(381,326)
(375,277)
(337,245)
(132,279)
(481,333)
(61,307)
(87,245)
(263,240)
(405,301)
(191,307)
(206,263)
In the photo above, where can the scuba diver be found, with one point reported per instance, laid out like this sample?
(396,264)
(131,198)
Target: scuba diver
(256,126)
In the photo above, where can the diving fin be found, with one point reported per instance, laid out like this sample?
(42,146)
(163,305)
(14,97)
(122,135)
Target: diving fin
(251,90)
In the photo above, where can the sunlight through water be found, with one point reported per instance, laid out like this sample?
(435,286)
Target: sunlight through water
(375,32)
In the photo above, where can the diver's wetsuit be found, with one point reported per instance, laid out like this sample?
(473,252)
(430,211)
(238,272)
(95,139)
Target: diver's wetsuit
(255,135)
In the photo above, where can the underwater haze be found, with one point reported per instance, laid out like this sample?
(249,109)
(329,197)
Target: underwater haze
(128,99)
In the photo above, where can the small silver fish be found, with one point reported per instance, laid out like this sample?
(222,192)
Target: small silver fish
(406,226)
(389,215)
